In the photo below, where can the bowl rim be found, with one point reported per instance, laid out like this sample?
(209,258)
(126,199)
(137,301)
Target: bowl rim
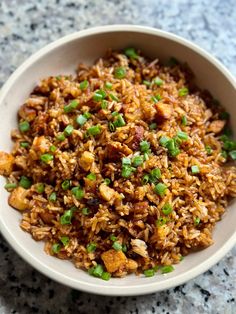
(101,287)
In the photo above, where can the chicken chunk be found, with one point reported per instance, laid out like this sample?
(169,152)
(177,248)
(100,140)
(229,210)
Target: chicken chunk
(41,144)
(137,134)
(27,113)
(216,126)
(21,162)
(47,217)
(116,150)
(131,264)
(114,260)
(139,247)
(86,160)
(107,193)
(6,163)
(164,111)
(17,198)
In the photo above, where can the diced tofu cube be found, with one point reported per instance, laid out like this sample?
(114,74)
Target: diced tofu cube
(216,126)
(86,160)
(164,111)
(17,198)
(114,260)
(107,193)
(6,163)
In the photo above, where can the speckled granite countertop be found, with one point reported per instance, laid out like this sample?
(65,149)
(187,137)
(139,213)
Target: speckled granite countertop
(26,26)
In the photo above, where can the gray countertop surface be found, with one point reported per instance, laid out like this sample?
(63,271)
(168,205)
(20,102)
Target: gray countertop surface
(26,26)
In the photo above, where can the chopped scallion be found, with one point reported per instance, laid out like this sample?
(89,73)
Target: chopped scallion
(71,106)
(65,185)
(114,97)
(167,209)
(24,144)
(108,85)
(53,197)
(78,192)
(107,181)
(144,146)
(61,137)
(25,182)
(111,127)
(56,247)
(24,126)
(65,219)
(99,95)
(195,169)
(68,130)
(85,211)
(9,186)
(131,53)
(208,149)
(53,148)
(161,221)
(158,81)
(137,161)
(91,176)
(119,122)
(160,189)
(117,246)
(94,130)
(84,85)
(40,188)
(149,272)
(65,240)
(183,91)
(153,126)
(120,73)
(145,179)
(232,154)
(167,269)
(147,83)
(184,120)
(182,135)
(91,247)
(106,275)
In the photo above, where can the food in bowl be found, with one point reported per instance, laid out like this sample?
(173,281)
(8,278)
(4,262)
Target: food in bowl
(123,168)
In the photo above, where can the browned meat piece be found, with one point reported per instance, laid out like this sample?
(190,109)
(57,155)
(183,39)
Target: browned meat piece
(164,111)
(21,162)
(140,207)
(86,160)
(216,126)
(47,217)
(40,124)
(90,185)
(6,163)
(137,134)
(116,150)
(18,200)
(107,193)
(27,113)
(114,260)
(149,111)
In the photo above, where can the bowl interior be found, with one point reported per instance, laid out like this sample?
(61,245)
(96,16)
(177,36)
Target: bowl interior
(63,58)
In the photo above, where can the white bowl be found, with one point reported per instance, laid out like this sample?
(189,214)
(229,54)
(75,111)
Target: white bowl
(62,57)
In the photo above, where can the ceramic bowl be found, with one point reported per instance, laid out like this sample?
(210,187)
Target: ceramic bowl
(62,57)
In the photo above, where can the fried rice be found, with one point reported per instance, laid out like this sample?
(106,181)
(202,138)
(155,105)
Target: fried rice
(122,168)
